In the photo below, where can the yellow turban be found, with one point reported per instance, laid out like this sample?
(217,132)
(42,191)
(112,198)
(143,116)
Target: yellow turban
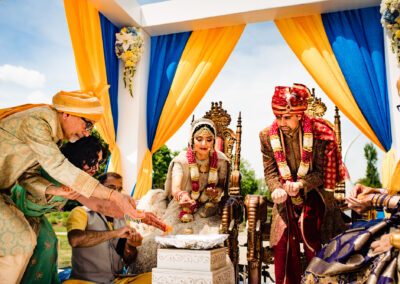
(79,103)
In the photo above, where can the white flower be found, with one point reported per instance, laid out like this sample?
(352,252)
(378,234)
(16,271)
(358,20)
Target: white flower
(129,48)
(125,39)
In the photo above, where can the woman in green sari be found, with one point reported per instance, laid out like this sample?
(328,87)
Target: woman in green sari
(86,154)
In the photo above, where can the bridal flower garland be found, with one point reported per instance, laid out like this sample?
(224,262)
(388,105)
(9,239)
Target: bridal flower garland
(129,48)
(390,10)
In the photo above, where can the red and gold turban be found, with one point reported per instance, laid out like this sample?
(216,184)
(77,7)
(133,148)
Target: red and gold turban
(291,100)
(79,103)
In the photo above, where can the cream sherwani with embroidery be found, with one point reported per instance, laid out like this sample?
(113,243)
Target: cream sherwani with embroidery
(29,140)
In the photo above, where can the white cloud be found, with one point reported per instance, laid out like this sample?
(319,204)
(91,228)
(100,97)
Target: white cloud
(28,78)
(37,97)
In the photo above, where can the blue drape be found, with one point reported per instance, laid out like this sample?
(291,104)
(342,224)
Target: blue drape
(356,37)
(166,51)
(108,31)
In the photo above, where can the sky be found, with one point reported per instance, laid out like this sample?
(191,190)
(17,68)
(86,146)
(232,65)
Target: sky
(37,60)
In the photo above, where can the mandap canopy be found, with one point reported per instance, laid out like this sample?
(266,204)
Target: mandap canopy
(184,65)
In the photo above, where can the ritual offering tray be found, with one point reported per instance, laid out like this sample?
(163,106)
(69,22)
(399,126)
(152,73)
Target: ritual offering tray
(191,241)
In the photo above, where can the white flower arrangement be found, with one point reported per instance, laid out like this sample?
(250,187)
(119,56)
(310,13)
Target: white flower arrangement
(390,11)
(129,48)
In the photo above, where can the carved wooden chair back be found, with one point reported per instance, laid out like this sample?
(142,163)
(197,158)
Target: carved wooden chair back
(228,141)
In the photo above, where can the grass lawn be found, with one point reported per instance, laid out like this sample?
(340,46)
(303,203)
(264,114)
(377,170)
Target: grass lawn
(64,249)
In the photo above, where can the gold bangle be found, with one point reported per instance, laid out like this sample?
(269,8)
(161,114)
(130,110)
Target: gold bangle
(395,240)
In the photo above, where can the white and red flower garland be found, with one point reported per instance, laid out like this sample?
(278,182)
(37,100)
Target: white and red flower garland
(194,176)
(194,172)
(306,153)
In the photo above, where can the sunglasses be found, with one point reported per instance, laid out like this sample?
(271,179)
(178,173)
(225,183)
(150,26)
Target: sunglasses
(92,163)
(88,124)
(111,186)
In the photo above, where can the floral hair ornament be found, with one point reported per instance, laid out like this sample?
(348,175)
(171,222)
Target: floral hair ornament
(129,48)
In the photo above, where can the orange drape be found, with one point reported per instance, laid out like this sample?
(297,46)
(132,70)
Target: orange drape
(85,31)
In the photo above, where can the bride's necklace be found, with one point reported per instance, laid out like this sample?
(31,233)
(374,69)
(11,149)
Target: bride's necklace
(203,165)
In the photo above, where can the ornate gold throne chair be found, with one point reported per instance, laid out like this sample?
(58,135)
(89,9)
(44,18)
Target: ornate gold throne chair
(229,142)
(257,207)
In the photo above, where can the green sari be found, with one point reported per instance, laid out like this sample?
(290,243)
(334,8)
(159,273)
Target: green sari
(42,267)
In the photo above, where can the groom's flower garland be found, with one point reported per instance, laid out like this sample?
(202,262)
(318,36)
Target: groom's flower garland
(280,155)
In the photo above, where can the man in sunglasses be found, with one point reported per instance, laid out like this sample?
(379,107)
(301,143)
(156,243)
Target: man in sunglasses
(30,136)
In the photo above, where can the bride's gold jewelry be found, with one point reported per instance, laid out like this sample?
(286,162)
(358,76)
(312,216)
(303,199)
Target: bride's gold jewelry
(203,131)
(204,168)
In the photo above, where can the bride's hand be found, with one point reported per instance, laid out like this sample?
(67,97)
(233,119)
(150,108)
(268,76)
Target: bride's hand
(185,200)
(212,192)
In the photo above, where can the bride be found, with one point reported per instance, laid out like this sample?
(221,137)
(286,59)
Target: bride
(195,183)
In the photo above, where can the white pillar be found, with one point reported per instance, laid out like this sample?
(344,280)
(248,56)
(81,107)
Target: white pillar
(132,129)
(393,74)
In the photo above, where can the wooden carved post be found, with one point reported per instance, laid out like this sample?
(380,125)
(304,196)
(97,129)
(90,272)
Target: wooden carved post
(256,211)
(340,189)
(234,188)
(232,212)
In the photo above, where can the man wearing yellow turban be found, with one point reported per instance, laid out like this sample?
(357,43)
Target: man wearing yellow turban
(30,136)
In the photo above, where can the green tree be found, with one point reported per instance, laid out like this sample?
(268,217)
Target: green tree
(371,176)
(249,182)
(106,155)
(161,160)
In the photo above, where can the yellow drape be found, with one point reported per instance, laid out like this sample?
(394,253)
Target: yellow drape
(388,166)
(202,59)
(307,38)
(85,31)
(394,186)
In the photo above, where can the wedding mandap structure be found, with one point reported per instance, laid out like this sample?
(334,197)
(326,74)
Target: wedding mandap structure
(172,51)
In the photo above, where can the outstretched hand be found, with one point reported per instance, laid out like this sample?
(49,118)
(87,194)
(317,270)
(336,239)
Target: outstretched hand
(152,219)
(360,191)
(360,205)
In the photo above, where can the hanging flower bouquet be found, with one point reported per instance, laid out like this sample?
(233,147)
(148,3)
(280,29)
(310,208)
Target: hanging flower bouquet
(129,48)
(390,11)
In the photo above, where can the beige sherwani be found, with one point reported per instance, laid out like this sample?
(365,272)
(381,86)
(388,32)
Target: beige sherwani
(29,140)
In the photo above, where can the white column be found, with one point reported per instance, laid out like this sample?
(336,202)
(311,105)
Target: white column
(132,130)
(393,74)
